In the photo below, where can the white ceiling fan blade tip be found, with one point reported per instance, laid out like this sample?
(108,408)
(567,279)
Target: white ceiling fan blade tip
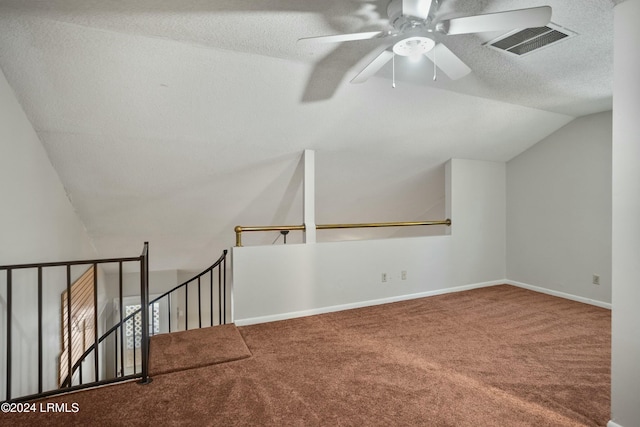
(339,38)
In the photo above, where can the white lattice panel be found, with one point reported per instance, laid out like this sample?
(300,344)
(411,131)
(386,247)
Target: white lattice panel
(135,324)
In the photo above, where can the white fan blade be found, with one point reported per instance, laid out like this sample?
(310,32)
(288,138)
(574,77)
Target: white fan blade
(501,21)
(417,8)
(373,67)
(448,62)
(343,37)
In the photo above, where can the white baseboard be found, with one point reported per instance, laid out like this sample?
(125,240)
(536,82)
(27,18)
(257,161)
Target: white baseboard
(359,304)
(559,294)
(612,424)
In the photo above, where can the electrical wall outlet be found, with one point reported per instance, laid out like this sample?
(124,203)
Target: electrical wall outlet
(384,277)
(596,279)
(403,275)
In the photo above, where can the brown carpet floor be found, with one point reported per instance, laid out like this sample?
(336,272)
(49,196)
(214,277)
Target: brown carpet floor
(497,356)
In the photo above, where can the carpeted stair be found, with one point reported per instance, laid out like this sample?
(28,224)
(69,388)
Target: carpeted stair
(196,348)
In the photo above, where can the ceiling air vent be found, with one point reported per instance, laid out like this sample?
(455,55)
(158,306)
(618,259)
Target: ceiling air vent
(522,42)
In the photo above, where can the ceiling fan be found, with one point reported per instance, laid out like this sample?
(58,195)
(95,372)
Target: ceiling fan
(413,23)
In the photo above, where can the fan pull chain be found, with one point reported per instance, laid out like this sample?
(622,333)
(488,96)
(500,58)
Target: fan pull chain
(435,75)
(393,70)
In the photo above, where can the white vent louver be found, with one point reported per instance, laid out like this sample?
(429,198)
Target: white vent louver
(522,42)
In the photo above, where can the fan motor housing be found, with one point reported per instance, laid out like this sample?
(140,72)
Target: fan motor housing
(399,20)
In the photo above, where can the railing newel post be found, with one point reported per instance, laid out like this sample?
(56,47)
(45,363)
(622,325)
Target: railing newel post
(144,311)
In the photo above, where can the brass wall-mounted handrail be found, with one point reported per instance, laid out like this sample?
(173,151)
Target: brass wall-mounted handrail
(239,229)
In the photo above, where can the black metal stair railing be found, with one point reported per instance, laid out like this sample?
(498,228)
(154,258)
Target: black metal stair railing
(220,265)
(115,334)
(51,268)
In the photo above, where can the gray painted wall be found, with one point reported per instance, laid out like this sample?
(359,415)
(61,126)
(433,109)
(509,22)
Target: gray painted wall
(559,210)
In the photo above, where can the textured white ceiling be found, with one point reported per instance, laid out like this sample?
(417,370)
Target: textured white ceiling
(175,121)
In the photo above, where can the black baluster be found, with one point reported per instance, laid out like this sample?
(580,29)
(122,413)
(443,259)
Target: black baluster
(169,309)
(199,306)
(121,316)
(211,295)
(8,334)
(39,329)
(186,307)
(69,364)
(96,375)
(219,295)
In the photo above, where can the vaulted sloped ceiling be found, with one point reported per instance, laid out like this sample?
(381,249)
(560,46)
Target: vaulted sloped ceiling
(173,122)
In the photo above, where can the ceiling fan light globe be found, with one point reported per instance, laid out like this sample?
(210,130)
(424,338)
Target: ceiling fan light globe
(413,46)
